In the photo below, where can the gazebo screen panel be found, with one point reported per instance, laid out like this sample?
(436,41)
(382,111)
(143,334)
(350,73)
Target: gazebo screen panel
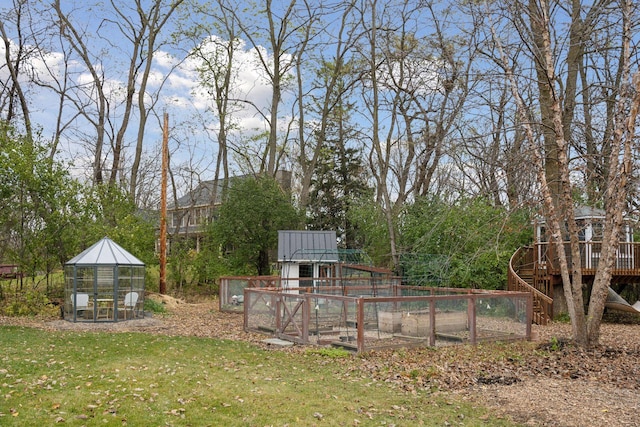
(137,284)
(68,292)
(105,293)
(79,280)
(124,287)
(130,279)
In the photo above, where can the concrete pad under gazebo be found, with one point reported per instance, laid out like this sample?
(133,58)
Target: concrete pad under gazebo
(104,283)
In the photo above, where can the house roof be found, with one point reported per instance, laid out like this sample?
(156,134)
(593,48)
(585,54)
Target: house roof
(104,252)
(307,246)
(584,212)
(202,195)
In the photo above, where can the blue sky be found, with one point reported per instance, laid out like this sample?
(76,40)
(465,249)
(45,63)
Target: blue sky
(173,79)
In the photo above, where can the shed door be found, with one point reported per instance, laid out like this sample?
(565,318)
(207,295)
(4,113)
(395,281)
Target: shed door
(305,271)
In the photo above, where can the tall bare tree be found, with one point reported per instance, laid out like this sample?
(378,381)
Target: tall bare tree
(414,91)
(216,52)
(144,37)
(13,96)
(278,27)
(78,36)
(558,113)
(335,77)
(491,155)
(138,39)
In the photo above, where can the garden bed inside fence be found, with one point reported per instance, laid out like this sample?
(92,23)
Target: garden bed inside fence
(402,317)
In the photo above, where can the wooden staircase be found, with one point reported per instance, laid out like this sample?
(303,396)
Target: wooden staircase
(525,276)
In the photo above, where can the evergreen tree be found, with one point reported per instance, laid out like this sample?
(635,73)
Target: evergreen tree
(339,181)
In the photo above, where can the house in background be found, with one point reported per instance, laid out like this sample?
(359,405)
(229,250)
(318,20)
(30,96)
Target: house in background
(187,216)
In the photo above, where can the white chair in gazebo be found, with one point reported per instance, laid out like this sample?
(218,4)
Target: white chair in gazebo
(130,302)
(80,302)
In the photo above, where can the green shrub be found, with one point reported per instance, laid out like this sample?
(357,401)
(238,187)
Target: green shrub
(29,303)
(154,306)
(562,318)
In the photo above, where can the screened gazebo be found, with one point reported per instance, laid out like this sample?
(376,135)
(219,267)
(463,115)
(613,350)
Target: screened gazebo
(104,283)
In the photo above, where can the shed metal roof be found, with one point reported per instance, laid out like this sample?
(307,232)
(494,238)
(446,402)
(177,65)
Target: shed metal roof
(104,252)
(307,246)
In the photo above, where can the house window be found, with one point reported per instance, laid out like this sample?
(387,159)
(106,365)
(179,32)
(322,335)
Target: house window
(175,219)
(201,215)
(597,231)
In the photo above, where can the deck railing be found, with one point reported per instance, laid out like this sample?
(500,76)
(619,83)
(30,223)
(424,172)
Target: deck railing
(532,269)
(627,257)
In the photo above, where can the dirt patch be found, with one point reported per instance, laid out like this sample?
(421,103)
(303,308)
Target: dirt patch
(545,383)
(561,402)
(168,301)
(129,325)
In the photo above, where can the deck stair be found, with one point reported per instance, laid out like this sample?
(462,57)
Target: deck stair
(526,274)
(522,277)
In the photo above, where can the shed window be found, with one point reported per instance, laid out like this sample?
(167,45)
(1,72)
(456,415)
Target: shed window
(305,271)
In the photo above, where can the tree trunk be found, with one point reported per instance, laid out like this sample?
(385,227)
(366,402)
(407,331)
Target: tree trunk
(619,179)
(539,26)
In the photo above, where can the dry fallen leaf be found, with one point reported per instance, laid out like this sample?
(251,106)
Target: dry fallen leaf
(604,377)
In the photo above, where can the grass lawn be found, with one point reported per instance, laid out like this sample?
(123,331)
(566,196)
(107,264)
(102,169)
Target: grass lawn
(137,379)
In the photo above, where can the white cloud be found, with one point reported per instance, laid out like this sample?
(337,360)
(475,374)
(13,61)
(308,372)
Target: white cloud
(45,67)
(249,79)
(174,79)
(165,60)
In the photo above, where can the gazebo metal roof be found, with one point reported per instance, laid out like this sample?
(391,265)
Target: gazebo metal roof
(581,212)
(105,252)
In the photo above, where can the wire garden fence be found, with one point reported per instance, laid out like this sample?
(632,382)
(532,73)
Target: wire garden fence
(363,317)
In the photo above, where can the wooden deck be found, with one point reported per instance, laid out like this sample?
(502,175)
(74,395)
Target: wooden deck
(536,269)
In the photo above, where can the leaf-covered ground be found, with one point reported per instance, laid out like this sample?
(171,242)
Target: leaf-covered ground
(547,382)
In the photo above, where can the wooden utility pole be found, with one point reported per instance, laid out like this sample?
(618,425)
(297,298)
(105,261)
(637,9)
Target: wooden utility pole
(163,206)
